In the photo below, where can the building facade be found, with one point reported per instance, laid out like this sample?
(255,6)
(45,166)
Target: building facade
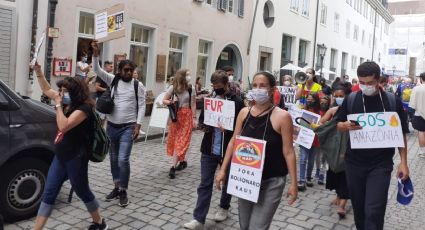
(199,35)
(353,31)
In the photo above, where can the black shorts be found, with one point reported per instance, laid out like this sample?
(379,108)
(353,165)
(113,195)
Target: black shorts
(418,123)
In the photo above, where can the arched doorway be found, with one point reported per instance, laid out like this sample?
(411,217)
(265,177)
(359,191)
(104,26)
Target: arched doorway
(231,56)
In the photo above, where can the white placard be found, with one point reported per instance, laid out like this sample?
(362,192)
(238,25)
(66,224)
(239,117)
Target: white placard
(160,113)
(246,169)
(218,111)
(289,94)
(37,48)
(379,130)
(302,135)
(101,25)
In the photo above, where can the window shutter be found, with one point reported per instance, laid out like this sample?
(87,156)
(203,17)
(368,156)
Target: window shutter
(222,5)
(241,8)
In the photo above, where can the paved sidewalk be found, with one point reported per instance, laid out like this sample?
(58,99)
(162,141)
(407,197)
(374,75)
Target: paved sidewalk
(158,202)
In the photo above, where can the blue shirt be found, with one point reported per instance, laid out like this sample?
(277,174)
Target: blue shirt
(216,148)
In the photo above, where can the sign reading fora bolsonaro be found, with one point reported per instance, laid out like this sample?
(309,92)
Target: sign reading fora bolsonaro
(379,130)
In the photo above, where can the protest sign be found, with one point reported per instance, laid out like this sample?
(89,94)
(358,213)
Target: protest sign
(379,130)
(219,112)
(289,94)
(37,48)
(246,168)
(62,66)
(109,23)
(303,134)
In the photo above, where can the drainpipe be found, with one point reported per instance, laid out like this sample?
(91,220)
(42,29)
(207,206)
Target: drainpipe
(33,44)
(49,53)
(315,33)
(252,28)
(374,32)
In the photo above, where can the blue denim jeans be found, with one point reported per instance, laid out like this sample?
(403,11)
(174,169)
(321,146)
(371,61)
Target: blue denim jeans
(59,172)
(307,160)
(209,165)
(121,144)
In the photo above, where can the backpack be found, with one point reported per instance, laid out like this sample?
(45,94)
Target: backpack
(406,94)
(98,141)
(352,96)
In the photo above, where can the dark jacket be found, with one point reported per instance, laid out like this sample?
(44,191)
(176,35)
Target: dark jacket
(208,140)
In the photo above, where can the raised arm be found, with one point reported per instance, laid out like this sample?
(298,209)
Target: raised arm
(44,85)
(101,73)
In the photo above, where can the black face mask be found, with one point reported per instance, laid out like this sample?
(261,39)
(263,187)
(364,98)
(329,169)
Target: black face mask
(219,91)
(324,107)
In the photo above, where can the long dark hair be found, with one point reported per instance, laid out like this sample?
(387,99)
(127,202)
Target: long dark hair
(78,91)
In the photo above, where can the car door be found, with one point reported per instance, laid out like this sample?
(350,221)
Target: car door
(4,122)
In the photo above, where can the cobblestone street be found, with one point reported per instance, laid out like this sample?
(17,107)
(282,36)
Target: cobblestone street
(158,202)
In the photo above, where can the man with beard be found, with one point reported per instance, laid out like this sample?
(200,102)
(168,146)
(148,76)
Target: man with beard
(124,122)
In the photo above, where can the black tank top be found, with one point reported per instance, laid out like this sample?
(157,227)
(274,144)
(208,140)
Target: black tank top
(255,127)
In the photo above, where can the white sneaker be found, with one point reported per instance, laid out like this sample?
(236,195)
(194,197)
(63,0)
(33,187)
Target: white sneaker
(194,224)
(221,214)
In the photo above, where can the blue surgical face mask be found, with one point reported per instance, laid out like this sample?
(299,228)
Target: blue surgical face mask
(66,99)
(339,100)
(260,96)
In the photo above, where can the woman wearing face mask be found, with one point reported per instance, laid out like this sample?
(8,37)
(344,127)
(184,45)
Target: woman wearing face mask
(82,67)
(75,118)
(310,86)
(266,122)
(337,181)
(180,132)
(307,156)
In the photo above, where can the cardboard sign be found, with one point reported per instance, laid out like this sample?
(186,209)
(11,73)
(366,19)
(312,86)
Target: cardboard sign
(303,135)
(246,168)
(379,130)
(37,48)
(219,112)
(62,66)
(109,23)
(289,94)
(160,113)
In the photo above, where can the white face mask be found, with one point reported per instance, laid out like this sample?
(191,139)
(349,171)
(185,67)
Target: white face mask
(287,83)
(231,78)
(368,90)
(188,78)
(260,96)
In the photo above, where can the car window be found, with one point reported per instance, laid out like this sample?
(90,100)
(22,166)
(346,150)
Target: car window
(4,101)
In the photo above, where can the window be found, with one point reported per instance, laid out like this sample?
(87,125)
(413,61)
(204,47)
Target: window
(372,18)
(361,60)
(360,6)
(203,55)
(306,8)
(241,8)
(86,24)
(286,50)
(334,56)
(356,33)
(353,62)
(344,63)
(370,40)
(336,23)
(323,14)
(347,29)
(365,9)
(294,4)
(230,9)
(268,14)
(175,55)
(302,53)
(363,37)
(386,28)
(209,2)
(139,50)
(349,2)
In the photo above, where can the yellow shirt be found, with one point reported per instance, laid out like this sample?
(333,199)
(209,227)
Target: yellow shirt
(315,88)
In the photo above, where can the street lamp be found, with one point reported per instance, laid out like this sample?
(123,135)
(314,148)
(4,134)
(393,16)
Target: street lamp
(322,53)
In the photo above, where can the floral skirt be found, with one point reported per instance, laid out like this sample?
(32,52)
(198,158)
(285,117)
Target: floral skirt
(180,133)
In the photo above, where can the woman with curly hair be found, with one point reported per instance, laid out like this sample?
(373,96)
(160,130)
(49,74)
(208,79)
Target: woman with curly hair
(183,96)
(74,118)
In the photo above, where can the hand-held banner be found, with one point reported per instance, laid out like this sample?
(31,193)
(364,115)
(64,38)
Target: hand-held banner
(246,169)
(289,94)
(109,23)
(219,112)
(379,130)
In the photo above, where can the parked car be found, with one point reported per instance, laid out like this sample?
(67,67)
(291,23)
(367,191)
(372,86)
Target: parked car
(27,132)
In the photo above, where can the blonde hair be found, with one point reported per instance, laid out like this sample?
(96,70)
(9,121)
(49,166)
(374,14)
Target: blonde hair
(180,84)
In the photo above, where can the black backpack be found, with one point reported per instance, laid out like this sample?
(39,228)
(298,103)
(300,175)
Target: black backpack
(105,103)
(352,96)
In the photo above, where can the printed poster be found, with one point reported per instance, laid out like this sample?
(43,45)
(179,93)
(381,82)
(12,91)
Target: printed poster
(219,112)
(289,93)
(303,134)
(246,168)
(109,23)
(379,130)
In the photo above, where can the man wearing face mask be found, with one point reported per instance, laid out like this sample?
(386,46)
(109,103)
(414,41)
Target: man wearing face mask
(233,84)
(82,67)
(307,88)
(368,171)
(124,123)
(213,147)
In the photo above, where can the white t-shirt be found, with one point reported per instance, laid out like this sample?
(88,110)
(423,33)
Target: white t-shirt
(81,65)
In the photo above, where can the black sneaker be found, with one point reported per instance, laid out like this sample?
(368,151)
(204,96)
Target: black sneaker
(123,198)
(113,195)
(301,186)
(96,226)
(309,182)
(182,165)
(172,173)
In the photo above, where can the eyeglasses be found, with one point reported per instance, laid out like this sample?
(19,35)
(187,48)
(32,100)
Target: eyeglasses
(128,69)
